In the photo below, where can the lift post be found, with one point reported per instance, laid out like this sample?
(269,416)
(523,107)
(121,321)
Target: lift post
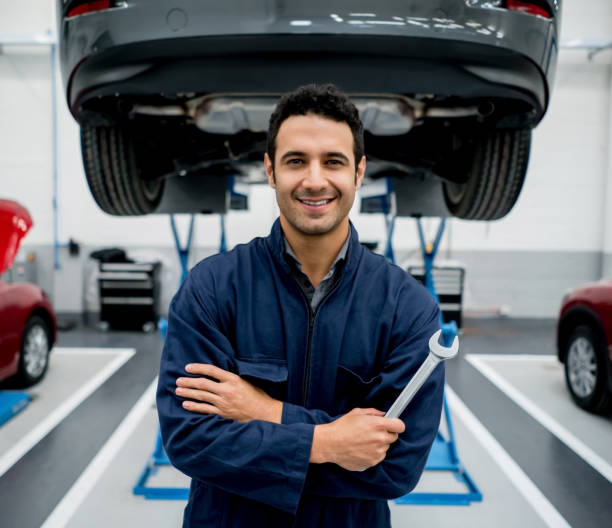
(443,455)
(159,458)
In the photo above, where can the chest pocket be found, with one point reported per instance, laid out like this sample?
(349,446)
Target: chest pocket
(352,390)
(268,375)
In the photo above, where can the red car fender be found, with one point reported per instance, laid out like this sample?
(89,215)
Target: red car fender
(590,304)
(20,302)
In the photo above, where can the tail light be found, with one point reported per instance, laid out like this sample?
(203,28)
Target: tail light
(527,7)
(90,7)
(532,7)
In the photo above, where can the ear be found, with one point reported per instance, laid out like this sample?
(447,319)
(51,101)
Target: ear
(360,173)
(269,171)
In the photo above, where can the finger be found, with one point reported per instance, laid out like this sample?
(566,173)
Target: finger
(391,438)
(193,394)
(370,411)
(395,425)
(200,408)
(200,384)
(205,369)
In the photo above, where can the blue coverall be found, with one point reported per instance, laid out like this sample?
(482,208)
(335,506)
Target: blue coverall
(244,312)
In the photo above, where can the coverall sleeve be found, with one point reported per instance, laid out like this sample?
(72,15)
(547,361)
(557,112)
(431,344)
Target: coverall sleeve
(399,473)
(258,460)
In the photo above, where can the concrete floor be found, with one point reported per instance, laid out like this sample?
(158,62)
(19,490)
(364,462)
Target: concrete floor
(86,436)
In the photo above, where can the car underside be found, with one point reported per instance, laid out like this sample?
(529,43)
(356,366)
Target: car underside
(168,124)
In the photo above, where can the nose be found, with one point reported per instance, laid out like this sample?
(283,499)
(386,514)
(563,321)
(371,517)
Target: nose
(314,178)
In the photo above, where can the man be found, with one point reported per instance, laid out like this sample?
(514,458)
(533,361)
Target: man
(283,354)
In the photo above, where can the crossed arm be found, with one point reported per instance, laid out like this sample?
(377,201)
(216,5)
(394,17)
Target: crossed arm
(356,441)
(240,436)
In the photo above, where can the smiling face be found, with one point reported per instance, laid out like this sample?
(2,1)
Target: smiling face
(314,174)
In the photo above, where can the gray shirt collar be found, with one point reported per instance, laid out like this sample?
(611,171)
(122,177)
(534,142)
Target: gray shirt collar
(316,295)
(341,256)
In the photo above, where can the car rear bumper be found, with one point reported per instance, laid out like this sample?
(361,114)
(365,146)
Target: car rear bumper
(256,46)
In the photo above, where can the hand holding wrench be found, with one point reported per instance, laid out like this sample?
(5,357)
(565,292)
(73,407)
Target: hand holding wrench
(437,353)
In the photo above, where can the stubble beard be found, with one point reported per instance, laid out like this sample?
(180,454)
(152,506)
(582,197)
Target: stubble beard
(308,225)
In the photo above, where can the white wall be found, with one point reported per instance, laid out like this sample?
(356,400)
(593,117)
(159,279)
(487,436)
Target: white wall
(564,207)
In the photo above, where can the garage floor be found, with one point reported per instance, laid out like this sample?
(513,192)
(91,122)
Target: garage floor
(72,457)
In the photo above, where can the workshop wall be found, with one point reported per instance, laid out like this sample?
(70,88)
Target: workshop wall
(559,234)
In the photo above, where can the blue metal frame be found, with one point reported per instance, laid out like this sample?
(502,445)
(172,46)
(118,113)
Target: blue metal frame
(443,455)
(223,238)
(159,458)
(183,252)
(385,204)
(11,404)
(388,206)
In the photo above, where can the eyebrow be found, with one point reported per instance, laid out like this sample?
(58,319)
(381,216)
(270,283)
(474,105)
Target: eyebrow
(291,154)
(336,155)
(299,153)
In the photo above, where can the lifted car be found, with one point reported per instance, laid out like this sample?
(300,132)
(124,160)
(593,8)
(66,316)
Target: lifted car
(584,345)
(173,99)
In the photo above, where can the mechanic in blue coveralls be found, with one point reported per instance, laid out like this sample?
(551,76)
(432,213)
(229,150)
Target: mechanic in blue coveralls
(283,354)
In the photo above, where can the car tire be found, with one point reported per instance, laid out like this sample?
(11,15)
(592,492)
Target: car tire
(114,163)
(34,353)
(585,370)
(495,178)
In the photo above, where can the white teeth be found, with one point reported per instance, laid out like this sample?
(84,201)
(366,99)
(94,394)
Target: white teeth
(320,202)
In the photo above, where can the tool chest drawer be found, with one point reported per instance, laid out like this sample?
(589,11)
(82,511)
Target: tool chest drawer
(129,294)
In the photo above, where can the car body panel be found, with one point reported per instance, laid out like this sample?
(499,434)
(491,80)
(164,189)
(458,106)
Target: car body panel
(430,30)
(15,222)
(590,303)
(18,302)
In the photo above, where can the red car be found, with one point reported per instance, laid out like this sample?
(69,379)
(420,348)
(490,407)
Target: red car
(28,328)
(584,345)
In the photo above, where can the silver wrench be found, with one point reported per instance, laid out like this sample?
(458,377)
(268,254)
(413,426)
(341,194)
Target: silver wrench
(437,353)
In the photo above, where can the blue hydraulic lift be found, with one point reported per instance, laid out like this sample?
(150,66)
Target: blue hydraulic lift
(443,455)
(159,458)
(11,404)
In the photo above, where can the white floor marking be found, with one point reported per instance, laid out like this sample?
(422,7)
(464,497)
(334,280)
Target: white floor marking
(524,485)
(568,438)
(535,358)
(79,491)
(80,351)
(40,431)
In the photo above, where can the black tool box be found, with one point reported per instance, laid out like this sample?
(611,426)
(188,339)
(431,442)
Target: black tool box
(129,294)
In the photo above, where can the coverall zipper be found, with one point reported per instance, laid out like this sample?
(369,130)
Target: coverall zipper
(311,319)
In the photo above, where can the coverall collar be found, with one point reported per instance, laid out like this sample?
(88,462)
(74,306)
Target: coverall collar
(276,243)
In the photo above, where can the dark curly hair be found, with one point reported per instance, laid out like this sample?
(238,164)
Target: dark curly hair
(324,100)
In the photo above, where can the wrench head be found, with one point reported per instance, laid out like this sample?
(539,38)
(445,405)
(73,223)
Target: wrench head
(440,351)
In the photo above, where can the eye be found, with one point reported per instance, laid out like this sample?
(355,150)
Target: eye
(335,162)
(294,161)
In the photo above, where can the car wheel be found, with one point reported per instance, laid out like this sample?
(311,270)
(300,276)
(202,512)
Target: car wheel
(495,179)
(585,371)
(114,165)
(34,356)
